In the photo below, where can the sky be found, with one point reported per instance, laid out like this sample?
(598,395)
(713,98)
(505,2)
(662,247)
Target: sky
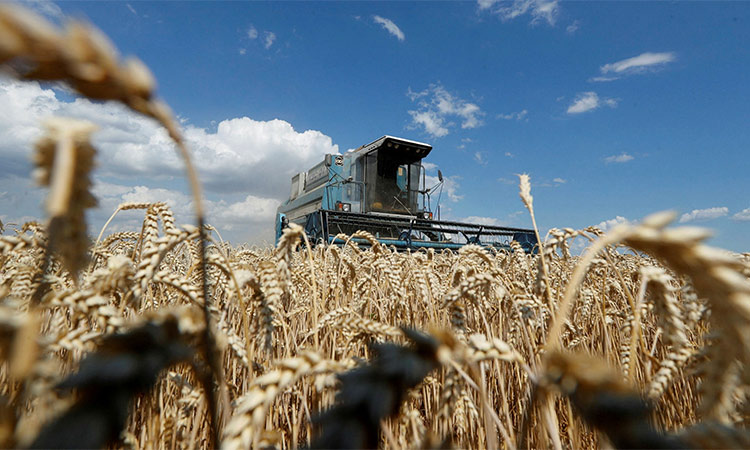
(615,109)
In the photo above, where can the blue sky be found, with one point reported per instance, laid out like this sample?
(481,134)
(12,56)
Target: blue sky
(615,109)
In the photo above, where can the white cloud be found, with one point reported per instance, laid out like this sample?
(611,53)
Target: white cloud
(480,158)
(510,155)
(589,101)
(611,223)
(584,102)
(479,220)
(470,113)
(131,9)
(544,183)
(243,148)
(249,219)
(47,8)
(241,157)
(639,64)
(521,115)
(243,51)
(604,79)
(704,214)
(24,104)
(389,26)
(437,106)
(432,123)
(621,158)
(251,210)
(180,202)
(742,216)
(573,27)
(643,63)
(486,4)
(539,10)
(270,38)
(450,185)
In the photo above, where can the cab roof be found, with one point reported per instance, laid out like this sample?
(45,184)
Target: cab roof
(419,148)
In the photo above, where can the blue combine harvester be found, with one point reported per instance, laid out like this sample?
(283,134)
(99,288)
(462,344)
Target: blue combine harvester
(381,188)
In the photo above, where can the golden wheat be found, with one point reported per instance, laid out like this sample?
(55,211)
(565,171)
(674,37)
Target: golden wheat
(671,322)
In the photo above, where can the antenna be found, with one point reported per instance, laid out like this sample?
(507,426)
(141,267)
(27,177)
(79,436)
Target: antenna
(440,175)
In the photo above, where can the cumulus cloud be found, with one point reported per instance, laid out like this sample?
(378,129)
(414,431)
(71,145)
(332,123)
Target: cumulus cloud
(589,101)
(521,115)
(479,220)
(389,26)
(621,158)
(242,219)
(450,184)
(486,4)
(251,210)
(436,107)
(432,123)
(252,32)
(704,214)
(450,187)
(269,39)
(586,101)
(539,10)
(573,27)
(243,160)
(607,225)
(47,8)
(268,151)
(742,216)
(240,155)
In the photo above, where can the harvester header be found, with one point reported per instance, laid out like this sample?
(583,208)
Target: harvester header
(381,188)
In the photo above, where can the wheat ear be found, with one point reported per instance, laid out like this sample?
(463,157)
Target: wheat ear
(87,61)
(250,414)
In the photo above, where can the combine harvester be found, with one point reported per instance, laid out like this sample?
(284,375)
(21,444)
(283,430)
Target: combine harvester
(380,188)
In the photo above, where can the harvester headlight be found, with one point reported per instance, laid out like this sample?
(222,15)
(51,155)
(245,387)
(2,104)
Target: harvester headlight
(345,207)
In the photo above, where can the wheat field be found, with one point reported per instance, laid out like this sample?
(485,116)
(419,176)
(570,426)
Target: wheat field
(166,337)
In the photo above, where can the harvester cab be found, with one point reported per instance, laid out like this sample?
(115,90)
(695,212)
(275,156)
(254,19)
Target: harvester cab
(381,188)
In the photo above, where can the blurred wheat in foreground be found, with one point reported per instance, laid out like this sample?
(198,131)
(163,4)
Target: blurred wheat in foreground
(163,337)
